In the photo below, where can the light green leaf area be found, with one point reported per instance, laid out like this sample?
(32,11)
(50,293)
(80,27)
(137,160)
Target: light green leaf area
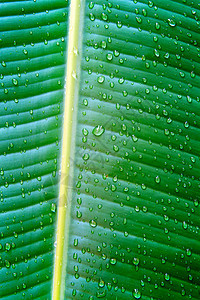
(134,229)
(32,68)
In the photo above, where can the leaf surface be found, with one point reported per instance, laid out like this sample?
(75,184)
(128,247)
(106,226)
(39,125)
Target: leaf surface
(133,231)
(32,41)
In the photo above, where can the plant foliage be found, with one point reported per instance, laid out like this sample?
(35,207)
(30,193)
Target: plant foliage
(134,220)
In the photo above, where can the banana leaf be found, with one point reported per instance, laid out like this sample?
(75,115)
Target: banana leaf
(127,223)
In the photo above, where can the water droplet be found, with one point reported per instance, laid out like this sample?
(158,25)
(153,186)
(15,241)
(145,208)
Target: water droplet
(189,99)
(156,52)
(74,75)
(86,156)
(121,80)
(98,130)
(136,261)
(167,55)
(134,138)
(184,224)
(101,283)
(6,184)
(3,64)
(104,17)
(116,53)
(186,124)
(101,294)
(124,93)
(119,24)
(136,294)
(109,56)
(113,261)
(7,264)
(79,214)
(171,22)
(53,207)
(150,4)
(157,179)
(85,131)
(115,148)
(139,20)
(100,79)
(7,246)
(144,12)
(91,5)
(193,159)
(75,50)
(188,252)
(167,277)
(75,242)
(103,44)
(91,17)
(93,223)
(157,26)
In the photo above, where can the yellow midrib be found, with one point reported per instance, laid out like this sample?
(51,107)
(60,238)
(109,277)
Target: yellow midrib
(64,202)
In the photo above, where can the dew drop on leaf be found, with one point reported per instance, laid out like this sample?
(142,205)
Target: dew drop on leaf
(98,130)
(100,79)
(136,261)
(167,277)
(157,26)
(157,179)
(136,294)
(113,261)
(139,20)
(101,283)
(171,22)
(134,138)
(188,252)
(7,246)
(15,81)
(101,294)
(53,207)
(93,223)
(109,56)
(86,156)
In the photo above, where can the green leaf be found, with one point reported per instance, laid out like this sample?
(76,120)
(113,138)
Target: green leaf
(132,194)
(32,67)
